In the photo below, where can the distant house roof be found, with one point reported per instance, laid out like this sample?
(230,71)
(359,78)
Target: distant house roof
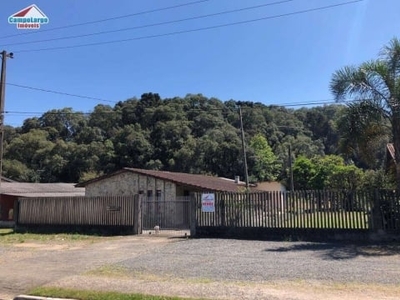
(202,182)
(5,179)
(390,149)
(24,189)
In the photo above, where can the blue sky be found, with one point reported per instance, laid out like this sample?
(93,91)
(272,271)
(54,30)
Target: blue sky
(278,61)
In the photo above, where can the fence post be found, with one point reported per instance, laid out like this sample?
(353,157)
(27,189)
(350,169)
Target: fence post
(223,216)
(137,227)
(193,221)
(16,214)
(377,222)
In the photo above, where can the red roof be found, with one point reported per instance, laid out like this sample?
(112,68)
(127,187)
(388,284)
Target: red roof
(22,13)
(390,148)
(202,182)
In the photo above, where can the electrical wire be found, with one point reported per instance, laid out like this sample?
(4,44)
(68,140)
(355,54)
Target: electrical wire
(148,25)
(315,102)
(287,104)
(192,30)
(106,20)
(60,93)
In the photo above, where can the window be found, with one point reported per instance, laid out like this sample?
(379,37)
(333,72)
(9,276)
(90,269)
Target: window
(149,193)
(186,193)
(158,195)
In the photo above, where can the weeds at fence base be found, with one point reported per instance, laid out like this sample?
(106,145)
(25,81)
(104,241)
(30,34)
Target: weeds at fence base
(68,229)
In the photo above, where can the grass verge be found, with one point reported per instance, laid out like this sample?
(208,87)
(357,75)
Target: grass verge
(109,271)
(93,295)
(9,236)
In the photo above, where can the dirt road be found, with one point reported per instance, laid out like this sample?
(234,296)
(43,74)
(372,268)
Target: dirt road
(27,265)
(214,269)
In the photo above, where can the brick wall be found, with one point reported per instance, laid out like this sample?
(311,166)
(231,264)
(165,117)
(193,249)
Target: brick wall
(128,183)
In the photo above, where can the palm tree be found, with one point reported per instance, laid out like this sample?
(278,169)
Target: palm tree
(364,133)
(377,84)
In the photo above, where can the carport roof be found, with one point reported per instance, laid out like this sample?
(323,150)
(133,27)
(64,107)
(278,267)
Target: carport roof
(25,189)
(197,181)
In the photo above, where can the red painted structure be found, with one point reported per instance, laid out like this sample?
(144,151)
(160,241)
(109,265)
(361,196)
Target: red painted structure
(12,191)
(7,207)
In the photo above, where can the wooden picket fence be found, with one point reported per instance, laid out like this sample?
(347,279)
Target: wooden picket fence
(303,209)
(79,211)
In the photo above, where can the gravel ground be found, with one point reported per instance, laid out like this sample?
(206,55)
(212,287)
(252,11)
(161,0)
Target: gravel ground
(261,261)
(30,264)
(208,268)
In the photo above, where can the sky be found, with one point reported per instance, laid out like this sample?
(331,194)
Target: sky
(281,60)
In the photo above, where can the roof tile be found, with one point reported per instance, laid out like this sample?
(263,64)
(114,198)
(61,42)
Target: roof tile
(201,182)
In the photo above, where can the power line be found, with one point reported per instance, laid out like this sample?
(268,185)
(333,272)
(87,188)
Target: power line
(149,25)
(60,93)
(194,30)
(195,109)
(106,20)
(100,99)
(287,104)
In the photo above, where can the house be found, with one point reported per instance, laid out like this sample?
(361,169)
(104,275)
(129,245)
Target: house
(165,193)
(5,179)
(390,159)
(278,197)
(11,191)
(271,186)
(161,184)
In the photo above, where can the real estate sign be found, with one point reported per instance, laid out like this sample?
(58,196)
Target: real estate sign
(208,202)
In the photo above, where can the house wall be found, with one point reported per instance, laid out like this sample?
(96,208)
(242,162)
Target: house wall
(277,198)
(271,186)
(128,184)
(184,191)
(6,205)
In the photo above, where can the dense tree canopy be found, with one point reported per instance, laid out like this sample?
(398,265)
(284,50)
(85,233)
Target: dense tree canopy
(192,134)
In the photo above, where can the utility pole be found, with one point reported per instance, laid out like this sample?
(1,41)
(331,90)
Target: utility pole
(4,56)
(291,169)
(246,173)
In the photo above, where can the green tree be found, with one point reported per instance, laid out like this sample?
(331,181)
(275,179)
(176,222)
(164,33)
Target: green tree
(325,167)
(326,172)
(65,123)
(16,170)
(377,83)
(265,164)
(347,177)
(304,170)
(132,147)
(221,152)
(320,122)
(378,179)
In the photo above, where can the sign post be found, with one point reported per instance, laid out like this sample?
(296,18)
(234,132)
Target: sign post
(208,203)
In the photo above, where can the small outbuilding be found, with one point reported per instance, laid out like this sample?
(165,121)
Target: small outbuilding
(11,191)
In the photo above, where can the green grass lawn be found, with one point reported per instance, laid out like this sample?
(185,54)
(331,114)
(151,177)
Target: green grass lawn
(302,219)
(93,295)
(9,236)
(328,220)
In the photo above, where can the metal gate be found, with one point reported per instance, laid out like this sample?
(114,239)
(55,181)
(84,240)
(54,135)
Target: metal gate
(165,213)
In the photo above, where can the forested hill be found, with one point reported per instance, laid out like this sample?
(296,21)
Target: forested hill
(192,134)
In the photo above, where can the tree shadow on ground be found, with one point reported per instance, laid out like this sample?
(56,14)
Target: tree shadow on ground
(341,251)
